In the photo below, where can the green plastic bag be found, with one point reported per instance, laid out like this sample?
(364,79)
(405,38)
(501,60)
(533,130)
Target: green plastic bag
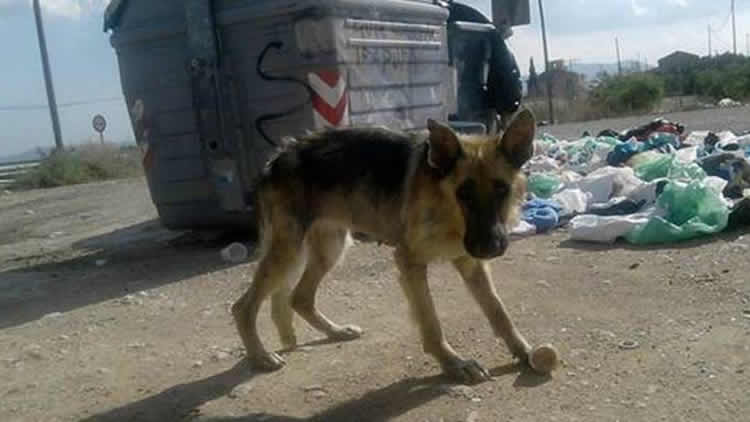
(654,167)
(549,138)
(544,185)
(681,170)
(692,210)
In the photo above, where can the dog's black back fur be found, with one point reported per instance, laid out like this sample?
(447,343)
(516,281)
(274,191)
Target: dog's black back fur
(347,158)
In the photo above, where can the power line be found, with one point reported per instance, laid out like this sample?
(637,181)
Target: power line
(32,107)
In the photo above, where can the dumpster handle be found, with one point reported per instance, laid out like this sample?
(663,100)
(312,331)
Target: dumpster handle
(273,116)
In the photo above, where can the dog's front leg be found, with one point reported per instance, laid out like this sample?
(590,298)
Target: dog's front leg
(476,275)
(413,279)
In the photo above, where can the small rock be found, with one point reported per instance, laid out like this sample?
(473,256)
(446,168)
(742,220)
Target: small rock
(103,371)
(143,293)
(197,364)
(101,262)
(6,192)
(607,282)
(457,391)
(634,265)
(219,355)
(313,387)
(53,315)
(241,390)
(130,300)
(136,345)
(476,399)
(603,333)
(33,351)
(63,337)
(746,313)
(473,416)
(30,212)
(305,349)
(543,283)
(55,235)
(319,394)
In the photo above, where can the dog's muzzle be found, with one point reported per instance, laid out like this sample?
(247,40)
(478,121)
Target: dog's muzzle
(488,244)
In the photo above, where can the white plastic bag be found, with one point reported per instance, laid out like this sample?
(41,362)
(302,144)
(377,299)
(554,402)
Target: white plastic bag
(574,201)
(594,228)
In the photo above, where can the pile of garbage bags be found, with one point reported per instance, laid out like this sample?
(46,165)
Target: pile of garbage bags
(652,184)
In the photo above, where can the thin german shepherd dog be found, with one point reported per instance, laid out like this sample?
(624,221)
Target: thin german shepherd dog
(443,197)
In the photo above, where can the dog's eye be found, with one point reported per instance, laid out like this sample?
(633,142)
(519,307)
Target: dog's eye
(500,188)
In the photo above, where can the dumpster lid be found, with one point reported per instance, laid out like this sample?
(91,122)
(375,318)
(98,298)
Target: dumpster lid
(113,13)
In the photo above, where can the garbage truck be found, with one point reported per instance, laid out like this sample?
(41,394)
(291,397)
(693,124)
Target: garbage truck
(212,86)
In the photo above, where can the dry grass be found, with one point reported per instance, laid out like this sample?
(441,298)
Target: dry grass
(83,164)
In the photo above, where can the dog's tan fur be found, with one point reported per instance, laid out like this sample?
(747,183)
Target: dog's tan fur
(307,216)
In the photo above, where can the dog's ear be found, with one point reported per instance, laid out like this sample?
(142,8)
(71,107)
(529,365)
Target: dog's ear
(517,143)
(444,147)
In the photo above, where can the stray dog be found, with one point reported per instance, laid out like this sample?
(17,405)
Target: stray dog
(443,197)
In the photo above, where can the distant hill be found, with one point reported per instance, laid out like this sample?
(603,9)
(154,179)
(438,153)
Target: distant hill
(32,154)
(591,70)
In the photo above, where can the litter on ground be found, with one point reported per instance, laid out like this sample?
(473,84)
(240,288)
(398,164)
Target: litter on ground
(654,184)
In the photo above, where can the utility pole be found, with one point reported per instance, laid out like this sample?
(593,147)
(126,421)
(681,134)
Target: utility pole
(619,62)
(48,77)
(547,68)
(709,40)
(734,30)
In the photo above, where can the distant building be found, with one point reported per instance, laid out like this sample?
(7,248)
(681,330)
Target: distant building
(565,84)
(678,61)
(558,64)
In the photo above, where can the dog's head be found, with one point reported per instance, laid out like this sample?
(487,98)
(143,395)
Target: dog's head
(482,174)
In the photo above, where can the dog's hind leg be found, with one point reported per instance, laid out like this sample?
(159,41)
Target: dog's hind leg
(325,246)
(413,280)
(280,263)
(283,316)
(476,275)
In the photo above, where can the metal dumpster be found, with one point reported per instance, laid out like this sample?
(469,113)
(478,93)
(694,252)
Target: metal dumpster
(211,85)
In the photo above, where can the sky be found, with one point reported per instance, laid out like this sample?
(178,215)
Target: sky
(84,65)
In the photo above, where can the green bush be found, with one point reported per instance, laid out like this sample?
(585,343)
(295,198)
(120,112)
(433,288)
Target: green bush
(636,92)
(82,164)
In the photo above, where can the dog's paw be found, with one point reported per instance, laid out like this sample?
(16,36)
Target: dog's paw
(289,341)
(346,333)
(465,371)
(267,362)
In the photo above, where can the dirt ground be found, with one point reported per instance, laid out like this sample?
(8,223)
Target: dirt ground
(105,316)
